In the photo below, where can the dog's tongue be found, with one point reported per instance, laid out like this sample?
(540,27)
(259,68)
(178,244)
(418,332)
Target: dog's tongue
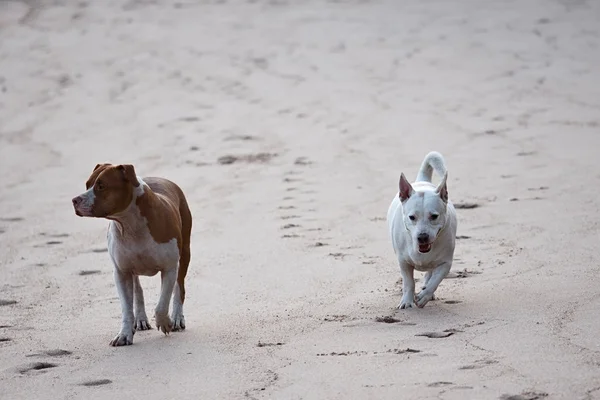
(424,248)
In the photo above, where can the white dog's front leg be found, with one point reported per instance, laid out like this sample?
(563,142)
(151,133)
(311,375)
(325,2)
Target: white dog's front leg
(163,322)
(408,286)
(437,275)
(141,319)
(124,283)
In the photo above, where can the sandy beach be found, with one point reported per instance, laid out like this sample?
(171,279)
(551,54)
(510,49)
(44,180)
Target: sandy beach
(287,124)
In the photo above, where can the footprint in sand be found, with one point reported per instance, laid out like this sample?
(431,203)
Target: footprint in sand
(440,384)
(289,226)
(293,182)
(478,364)
(466,206)
(96,382)
(36,366)
(257,158)
(368,260)
(436,335)
(290,216)
(55,235)
(11,219)
(89,272)
(51,353)
(525,396)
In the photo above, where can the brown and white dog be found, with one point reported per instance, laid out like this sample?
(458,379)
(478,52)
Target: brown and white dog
(149,232)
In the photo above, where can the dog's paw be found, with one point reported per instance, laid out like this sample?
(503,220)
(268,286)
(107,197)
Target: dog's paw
(163,323)
(406,302)
(122,339)
(178,322)
(423,298)
(142,324)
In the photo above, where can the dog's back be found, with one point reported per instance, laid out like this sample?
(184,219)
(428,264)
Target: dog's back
(173,192)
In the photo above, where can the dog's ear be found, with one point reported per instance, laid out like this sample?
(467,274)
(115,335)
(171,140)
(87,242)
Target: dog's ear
(442,189)
(103,166)
(129,174)
(97,170)
(406,190)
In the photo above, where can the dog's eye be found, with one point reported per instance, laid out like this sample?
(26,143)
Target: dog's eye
(434,217)
(99,186)
(412,217)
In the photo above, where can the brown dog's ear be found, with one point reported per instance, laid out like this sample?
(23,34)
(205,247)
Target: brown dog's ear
(97,170)
(406,189)
(129,174)
(100,165)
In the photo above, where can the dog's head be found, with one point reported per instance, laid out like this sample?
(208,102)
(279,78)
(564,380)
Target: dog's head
(110,190)
(424,212)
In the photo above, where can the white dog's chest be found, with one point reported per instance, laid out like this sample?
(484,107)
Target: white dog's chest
(423,266)
(141,255)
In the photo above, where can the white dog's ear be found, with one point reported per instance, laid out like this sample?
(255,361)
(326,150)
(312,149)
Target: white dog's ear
(442,188)
(406,190)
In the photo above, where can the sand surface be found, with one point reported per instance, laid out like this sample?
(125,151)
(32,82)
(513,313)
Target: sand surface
(323,103)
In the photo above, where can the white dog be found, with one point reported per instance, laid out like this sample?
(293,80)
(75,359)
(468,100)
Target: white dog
(422,223)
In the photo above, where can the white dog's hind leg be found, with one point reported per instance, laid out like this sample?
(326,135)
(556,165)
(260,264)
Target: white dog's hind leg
(141,319)
(177,313)
(437,275)
(408,286)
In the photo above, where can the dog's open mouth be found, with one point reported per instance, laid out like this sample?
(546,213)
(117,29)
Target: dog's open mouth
(424,248)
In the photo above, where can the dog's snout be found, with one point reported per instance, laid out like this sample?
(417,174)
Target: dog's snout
(423,238)
(77,200)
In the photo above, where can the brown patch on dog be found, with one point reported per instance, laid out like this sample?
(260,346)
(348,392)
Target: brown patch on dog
(163,221)
(95,173)
(113,188)
(153,204)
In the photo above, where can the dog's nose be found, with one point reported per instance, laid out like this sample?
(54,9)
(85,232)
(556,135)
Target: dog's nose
(77,200)
(423,238)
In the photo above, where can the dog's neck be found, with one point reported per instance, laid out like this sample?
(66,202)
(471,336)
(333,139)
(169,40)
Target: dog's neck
(130,221)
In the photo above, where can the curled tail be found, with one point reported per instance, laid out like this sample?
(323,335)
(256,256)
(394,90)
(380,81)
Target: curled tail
(433,161)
